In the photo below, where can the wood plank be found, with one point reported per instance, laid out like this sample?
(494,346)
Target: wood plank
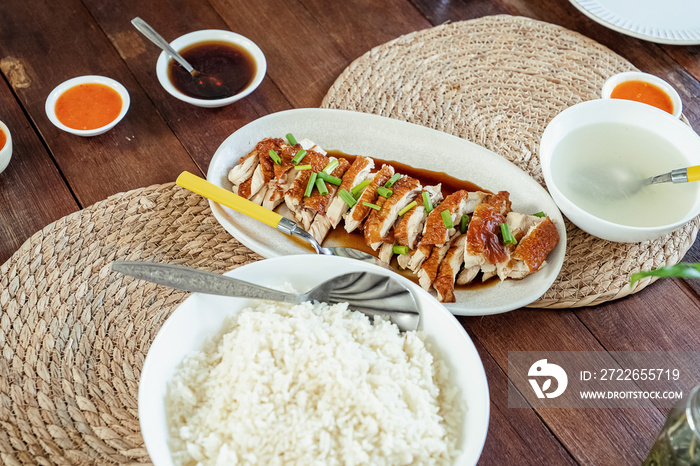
(141,150)
(441,12)
(661,317)
(693,255)
(619,435)
(32,192)
(516,435)
(200,130)
(309,43)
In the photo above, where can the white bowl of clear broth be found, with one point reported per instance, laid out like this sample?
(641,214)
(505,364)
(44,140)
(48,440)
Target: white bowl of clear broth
(233,59)
(594,157)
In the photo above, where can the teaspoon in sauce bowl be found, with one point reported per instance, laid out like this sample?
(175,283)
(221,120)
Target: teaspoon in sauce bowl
(207,86)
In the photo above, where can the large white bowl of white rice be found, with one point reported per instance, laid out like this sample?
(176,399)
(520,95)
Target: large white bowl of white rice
(237,381)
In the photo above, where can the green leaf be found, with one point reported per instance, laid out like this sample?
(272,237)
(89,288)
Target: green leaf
(680,270)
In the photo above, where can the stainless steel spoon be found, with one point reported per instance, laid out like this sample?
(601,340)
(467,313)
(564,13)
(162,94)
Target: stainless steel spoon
(369,293)
(209,87)
(607,184)
(227,198)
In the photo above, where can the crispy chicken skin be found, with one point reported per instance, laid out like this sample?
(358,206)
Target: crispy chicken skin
(435,232)
(444,282)
(356,174)
(360,211)
(482,236)
(379,222)
(537,244)
(319,202)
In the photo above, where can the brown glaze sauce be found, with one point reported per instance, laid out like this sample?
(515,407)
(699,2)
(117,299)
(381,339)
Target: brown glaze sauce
(230,63)
(355,240)
(449,183)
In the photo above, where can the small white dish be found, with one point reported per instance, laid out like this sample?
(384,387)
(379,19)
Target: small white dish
(389,139)
(614,80)
(6,149)
(200,317)
(658,143)
(63,87)
(207,35)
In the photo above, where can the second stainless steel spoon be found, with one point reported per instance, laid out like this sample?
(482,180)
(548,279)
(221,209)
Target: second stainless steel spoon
(369,293)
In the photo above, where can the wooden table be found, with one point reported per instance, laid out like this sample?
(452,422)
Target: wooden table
(44,42)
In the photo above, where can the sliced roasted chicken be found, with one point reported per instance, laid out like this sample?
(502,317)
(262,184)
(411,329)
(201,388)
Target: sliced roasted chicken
(537,243)
(357,214)
(320,203)
(284,176)
(379,222)
(410,226)
(435,230)
(294,197)
(482,235)
(242,174)
(429,268)
(444,282)
(356,174)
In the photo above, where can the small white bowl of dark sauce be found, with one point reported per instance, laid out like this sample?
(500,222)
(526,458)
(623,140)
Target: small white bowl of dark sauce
(232,58)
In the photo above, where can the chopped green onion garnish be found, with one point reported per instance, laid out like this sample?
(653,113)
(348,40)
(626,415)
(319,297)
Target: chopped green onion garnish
(392,180)
(464,223)
(407,208)
(310,185)
(507,235)
(447,219)
(371,206)
(427,203)
(299,155)
(321,186)
(275,157)
(360,187)
(330,178)
(291,140)
(540,214)
(397,249)
(348,198)
(331,166)
(302,167)
(385,192)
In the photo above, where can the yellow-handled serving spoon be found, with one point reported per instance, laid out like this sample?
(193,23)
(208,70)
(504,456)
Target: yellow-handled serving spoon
(679,175)
(228,198)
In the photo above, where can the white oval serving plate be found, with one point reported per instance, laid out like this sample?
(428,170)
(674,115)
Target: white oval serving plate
(384,138)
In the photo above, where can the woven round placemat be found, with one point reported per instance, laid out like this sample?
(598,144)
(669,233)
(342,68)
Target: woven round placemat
(497,81)
(74,334)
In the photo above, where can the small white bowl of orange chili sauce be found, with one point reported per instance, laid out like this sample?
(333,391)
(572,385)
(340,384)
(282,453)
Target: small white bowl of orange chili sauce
(645,88)
(5,146)
(87,105)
